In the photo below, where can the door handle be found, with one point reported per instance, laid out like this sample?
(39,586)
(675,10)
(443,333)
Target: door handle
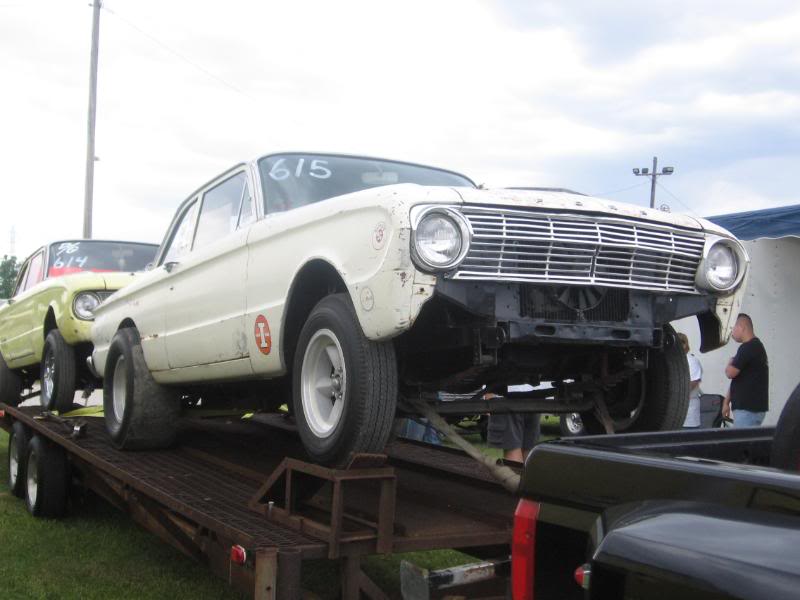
(169,266)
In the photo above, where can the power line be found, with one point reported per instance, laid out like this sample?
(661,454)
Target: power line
(625,189)
(177,54)
(663,187)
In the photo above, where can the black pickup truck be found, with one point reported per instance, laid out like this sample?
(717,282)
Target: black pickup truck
(712,514)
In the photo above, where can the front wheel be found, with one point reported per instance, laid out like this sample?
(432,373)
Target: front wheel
(140,414)
(58,373)
(344,386)
(656,399)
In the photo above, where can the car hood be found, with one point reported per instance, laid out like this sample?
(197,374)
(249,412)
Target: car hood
(96,281)
(563,201)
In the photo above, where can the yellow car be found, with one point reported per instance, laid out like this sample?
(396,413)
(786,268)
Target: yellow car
(45,327)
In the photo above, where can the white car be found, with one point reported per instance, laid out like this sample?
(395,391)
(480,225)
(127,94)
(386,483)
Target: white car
(353,281)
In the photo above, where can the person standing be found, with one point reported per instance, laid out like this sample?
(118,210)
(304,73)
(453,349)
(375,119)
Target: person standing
(748,371)
(515,433)
(695,376)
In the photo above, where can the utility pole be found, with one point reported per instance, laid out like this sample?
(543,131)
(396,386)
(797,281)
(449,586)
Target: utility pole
(89,187)
(645,172)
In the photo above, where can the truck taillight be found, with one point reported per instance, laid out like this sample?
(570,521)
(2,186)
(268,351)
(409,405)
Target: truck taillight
(523,546)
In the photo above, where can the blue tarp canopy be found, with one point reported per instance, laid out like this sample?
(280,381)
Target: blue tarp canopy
(783,221)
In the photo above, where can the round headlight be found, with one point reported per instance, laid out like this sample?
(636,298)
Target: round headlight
(722,266)
(438,240)
(85,304)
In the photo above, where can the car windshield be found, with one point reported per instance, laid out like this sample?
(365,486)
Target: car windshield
(293,180)
(99,257)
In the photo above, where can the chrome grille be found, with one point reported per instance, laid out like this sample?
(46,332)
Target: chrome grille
(519,245)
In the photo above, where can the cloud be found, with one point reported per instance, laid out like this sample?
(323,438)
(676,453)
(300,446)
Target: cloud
(511,93)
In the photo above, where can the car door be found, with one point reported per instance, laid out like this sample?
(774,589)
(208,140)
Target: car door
(206,301)
(19,317)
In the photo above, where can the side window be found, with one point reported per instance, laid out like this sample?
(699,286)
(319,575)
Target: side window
(35,271)
(219,214)
(181,241)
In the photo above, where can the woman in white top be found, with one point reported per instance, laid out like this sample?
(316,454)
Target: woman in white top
(695,375)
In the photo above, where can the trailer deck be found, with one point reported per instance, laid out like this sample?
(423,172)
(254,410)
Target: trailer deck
(238,496)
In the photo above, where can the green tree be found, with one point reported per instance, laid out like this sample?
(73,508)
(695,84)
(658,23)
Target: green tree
(8,275)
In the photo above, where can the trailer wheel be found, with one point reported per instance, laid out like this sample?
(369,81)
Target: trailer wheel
(344,387)
(58,373)
(786,443)
(46,479)
(10,384)
(17,457)
(139,413)
(663,390)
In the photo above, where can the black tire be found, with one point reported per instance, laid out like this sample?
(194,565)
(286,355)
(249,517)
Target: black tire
(146,413)
(46,479)
(666,393)
(10,384)
(571,425)
(58,373)
(786,443)
(369,398)
(17,458)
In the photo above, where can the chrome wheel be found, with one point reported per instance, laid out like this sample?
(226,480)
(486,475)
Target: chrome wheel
(323,383)
(573,423)
(13,463)
(120,388)
(48,376)
(33,480)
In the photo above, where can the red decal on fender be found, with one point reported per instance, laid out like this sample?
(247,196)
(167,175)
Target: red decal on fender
(263,336)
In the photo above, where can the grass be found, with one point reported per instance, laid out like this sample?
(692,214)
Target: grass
(97,552)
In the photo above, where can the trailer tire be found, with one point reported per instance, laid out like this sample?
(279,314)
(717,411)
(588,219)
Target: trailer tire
(58,373)
(17,458)
(10,384)
(46,479)
(786,443)
(335,363)
(140,414)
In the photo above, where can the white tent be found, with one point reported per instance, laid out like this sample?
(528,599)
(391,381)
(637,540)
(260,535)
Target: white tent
(772,299)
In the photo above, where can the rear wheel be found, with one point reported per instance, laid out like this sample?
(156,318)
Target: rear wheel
(344,385)
(139,413)
(58,373)
(17,458)
(786,443)
(10,384)
(46,479)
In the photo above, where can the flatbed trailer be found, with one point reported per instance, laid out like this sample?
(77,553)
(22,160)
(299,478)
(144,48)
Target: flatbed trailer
(236,495)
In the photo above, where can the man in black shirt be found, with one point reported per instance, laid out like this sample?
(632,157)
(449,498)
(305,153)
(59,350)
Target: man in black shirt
(749,375)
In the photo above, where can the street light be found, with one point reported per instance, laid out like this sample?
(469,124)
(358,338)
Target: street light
(645,172)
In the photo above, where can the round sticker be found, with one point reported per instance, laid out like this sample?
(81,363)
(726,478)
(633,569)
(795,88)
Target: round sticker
(379,236)
(263,336)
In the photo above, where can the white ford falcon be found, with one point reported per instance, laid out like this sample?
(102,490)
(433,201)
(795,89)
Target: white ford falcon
(345,283)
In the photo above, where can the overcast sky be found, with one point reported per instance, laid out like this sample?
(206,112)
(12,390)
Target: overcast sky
(569,94)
